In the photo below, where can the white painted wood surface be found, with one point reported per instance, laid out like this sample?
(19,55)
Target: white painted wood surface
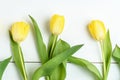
(78,13)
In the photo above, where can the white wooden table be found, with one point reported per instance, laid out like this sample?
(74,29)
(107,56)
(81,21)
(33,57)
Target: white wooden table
(78,13)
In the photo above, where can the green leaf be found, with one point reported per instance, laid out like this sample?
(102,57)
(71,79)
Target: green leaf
(60,72)
(60,47)
(18,57)
(116,53)
(87,65)
(107,48)
(39,42)
(47,68)
(3,66)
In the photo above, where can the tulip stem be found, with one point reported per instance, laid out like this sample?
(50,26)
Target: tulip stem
(22,63)
(53,45)
(47,78)
(104,62)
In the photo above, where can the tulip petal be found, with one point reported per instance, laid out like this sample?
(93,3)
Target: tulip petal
(97,30)
(57,24)
(19,31)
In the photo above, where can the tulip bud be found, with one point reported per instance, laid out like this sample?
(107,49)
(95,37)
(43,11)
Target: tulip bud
(19,31)
(97,29)
(57,24)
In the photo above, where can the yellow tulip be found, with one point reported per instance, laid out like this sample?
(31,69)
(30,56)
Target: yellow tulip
(19,31)
(97,29)
(57,24)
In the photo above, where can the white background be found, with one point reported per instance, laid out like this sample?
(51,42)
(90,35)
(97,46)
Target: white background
(78,13)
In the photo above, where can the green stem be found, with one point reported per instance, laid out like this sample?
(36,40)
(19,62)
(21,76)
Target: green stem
(53,45)
(47,78)
(22,63)
(104,62)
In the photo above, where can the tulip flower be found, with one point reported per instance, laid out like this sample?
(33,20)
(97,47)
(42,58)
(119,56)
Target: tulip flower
(97,29)
(54,58)
(98,32)
(57,24)
(19,31)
